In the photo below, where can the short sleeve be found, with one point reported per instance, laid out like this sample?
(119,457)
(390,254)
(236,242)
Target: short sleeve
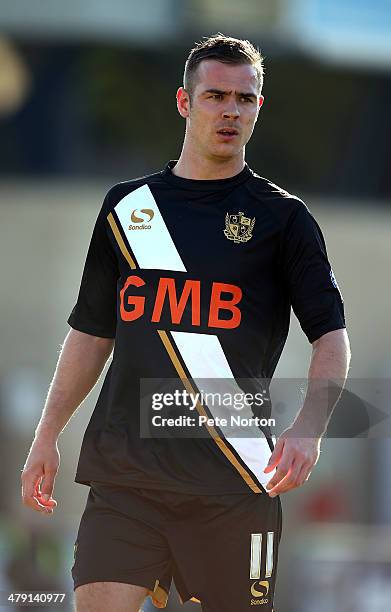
(313,290)
(95,310)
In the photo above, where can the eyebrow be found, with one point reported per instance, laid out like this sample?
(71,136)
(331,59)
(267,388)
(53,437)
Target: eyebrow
(241,94)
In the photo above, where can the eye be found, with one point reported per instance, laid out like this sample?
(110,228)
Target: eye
(245,99)
(217,96)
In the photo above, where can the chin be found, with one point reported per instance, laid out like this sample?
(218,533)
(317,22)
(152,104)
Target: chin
(225,152)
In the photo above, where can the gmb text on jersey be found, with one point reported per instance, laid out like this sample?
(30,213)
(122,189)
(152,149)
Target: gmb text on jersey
(222,301)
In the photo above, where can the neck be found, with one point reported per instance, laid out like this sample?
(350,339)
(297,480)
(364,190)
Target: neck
(198,167)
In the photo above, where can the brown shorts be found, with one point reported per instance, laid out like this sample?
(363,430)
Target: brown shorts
(220,550)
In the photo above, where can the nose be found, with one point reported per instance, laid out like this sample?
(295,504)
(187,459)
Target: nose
(231,111)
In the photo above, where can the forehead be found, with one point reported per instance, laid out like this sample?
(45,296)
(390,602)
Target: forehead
(212,74)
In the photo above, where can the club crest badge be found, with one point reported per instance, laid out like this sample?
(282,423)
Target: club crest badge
(238,227)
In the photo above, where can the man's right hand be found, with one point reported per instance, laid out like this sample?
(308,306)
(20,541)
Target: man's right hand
(39,474)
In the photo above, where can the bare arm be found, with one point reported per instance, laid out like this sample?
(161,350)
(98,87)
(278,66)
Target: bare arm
(297,449)
(80,364)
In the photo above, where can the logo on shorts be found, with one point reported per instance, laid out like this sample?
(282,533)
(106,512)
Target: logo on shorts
(238,227)
(259,590)
(147,216)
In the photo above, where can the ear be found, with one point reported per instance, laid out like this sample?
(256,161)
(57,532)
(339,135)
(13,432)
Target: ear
(183,102)
(261,100)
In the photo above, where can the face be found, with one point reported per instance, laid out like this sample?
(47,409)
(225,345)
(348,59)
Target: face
(223,110)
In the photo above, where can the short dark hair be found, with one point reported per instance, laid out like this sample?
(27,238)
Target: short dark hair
(224,49)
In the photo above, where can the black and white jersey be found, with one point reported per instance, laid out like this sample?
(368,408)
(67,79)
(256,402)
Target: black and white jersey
(195,280)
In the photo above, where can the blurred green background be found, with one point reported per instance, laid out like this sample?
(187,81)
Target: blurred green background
(87,98)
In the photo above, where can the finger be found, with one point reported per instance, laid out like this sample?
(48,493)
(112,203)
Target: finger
(290,481)
(48,485)
(275,457)
(42,503)
(39,494)
(305,473)
(30,487)
(281,471)
(48,502)
(37,487)
(32,499)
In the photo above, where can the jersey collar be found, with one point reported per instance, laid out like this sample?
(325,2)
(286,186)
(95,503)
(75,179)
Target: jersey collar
(204,185)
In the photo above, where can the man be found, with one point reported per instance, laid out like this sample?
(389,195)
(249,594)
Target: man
(191,273)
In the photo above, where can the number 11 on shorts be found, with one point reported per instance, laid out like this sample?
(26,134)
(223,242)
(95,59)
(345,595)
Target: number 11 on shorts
(256,555)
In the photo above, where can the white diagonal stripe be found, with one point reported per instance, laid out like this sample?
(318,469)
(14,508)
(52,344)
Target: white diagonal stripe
(210,370)
(153,248)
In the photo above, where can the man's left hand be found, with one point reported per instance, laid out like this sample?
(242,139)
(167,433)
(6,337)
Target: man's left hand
(294,458)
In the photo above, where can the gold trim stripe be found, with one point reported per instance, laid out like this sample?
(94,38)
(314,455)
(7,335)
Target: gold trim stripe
(121,242)
(159,595)
(201,410)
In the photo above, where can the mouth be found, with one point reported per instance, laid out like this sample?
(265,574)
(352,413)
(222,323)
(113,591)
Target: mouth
(228,133)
